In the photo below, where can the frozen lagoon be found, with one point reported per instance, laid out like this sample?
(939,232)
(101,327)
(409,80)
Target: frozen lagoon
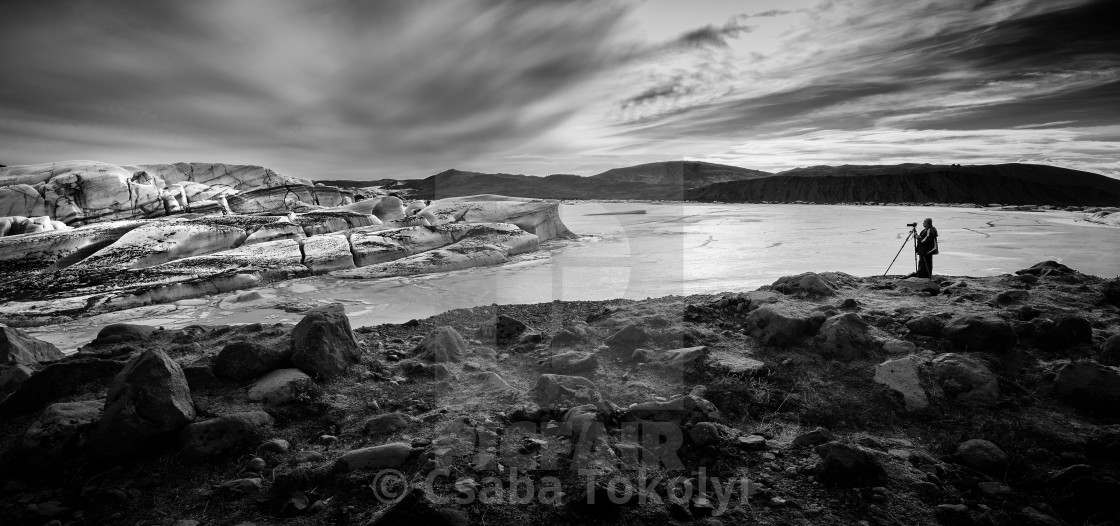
(668,249)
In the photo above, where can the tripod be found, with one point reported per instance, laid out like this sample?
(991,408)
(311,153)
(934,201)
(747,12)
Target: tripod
(914,234)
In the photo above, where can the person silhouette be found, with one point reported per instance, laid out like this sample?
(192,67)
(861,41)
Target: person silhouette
(926,247)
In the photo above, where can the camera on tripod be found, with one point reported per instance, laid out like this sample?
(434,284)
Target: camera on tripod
(912,225)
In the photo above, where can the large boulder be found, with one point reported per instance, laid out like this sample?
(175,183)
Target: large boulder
(323,345)
(501,330)
(444,344)
(628,338)
(148,401)
(18,348)
(846,337)
(1090,386)
(966,379)
(774,325)
(224,434)
(242,361)
(56,381)
(928,325)
(122,332)
(58,430)
(391,455)
(847,465)
(978,333)
(982,456)
(901,376)
(682,410)
(809,283)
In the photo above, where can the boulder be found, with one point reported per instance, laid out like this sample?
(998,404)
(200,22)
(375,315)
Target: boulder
(773,325)
(982,456)
(279,386)
(122,332)
(1110,351)
(847,465)
(965,379)
(815,437)
(56,381)
(493,382)
(918,285)
(200,377)
(388,423)
(928,325)
(148,401)
(444,344)
(572,362)
(57,429)
(224,434)
(12,376)
(976,333)
(846,337)
(704,434)
(1063,333)
(901,376)
(1090,386)
(680,411)
(628,338)
(555,390)
(18,348)
(809,283)
(323,345)
(1010,297)
(501,330)
(241,361)
(1047,268)
(686,358)
(391,455)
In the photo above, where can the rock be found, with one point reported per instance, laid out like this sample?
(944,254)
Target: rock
(442,345)
(200,377)
(56,381)
(243,486)
(965,379)
(628,338)
(391,455)
(773,325)
(918,285)
(12,376)
(501,330)
(846,337)
(993,489)
(55,433)
(847,465)
(148,401)
(323,345)
(554,390)
(981,334)
(307,456)
(896,347)
(224,434)
(953,514)
(573,362)
(704,434)
(809,283)
(242,361)
(388,423)
(416,507)
(685,359)
(682,410)
(1110,289)
(278,446)
(928,325)
(122,332)
(279,386)
(1110,351)
(753,442)
(1089,386)
(982,456)
(815,437)
(1010,297)
(1047,268)
(901,375)
(18,348)
(493,381)
(1066,332)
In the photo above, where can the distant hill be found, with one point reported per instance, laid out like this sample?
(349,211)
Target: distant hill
(922,183)
(664,180)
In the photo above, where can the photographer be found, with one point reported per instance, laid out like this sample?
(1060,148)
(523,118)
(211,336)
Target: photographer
(926,247)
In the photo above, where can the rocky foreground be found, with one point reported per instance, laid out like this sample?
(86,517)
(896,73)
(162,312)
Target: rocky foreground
(822,399)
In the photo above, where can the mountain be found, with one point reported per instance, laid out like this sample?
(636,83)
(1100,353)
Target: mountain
(664,180)
(922,183)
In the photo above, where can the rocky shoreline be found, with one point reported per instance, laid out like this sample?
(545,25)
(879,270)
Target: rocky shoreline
(821,399)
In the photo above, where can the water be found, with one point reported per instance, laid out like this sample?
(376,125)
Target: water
(670,249)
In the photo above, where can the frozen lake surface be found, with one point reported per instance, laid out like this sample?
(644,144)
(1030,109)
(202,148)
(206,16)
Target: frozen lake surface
(640,250)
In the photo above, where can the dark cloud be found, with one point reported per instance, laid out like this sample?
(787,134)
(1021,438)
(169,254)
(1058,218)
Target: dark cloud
(712,35)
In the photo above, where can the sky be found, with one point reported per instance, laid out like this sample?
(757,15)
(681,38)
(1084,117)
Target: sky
(352,89)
